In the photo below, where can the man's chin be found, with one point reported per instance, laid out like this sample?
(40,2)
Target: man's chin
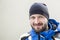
(38,30)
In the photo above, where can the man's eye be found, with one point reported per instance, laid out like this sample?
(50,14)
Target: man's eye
(33,17)
(40,17)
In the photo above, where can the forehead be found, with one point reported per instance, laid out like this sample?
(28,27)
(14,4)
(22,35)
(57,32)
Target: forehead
(36,15)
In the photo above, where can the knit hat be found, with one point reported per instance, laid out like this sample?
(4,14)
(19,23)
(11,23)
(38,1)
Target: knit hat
(39,8)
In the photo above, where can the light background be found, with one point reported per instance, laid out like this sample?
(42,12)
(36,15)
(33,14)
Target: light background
(14,16)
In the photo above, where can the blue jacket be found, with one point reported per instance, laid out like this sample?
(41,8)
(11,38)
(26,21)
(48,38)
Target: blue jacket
(46,35)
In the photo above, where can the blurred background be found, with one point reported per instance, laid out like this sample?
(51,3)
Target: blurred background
(14,16)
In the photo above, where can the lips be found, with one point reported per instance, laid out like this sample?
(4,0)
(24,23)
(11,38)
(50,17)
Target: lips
(39,24)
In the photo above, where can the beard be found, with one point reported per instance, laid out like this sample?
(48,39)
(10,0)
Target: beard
(44,27)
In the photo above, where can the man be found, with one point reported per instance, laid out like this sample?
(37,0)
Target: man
(40,23)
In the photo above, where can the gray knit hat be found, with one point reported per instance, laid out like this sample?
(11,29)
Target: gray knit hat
(39,8)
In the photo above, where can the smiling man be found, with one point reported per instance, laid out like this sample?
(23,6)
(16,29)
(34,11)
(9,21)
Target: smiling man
(38,22)
(38,17)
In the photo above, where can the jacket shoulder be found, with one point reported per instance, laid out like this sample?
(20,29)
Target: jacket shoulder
(24,36)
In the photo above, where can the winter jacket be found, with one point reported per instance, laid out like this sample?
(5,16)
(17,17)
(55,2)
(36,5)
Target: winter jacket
(45,35)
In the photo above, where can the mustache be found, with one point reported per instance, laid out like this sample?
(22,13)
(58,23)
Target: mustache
(39,24)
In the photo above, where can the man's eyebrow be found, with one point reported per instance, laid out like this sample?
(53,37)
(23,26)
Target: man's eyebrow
(32,16)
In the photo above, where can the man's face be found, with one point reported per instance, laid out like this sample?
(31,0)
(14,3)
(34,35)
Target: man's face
(38,22)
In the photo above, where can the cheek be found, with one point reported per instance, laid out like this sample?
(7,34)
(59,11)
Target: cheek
(44,20)
(31,22)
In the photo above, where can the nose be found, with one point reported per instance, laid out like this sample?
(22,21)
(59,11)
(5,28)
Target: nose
(36,21)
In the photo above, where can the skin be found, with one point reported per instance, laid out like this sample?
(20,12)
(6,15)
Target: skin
(38,22)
